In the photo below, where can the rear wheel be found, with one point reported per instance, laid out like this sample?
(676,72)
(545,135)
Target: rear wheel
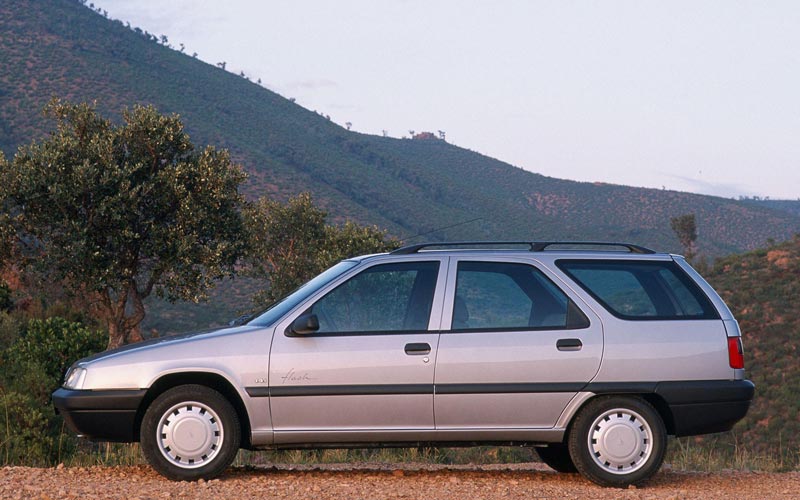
(557,457)
(190,432)
(618,441)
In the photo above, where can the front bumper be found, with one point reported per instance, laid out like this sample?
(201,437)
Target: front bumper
(101,415)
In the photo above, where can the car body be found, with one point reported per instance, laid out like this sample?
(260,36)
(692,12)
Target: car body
(593,352)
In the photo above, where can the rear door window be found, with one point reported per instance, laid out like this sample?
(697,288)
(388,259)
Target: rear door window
(641,290)
(501,296)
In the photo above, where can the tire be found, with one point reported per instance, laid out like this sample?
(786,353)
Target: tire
(190,432)
(556,456)
(617,441)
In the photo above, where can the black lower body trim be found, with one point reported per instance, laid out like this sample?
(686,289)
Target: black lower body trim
(100,415)
(706,418)
(703,407)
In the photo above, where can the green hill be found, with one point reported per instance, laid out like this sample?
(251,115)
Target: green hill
(410,187)
(791,206)
(762,288)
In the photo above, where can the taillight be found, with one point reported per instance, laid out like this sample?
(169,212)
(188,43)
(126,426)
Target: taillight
(735,352)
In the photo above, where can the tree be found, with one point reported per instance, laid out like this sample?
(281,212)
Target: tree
(117,212)
(292,243)
(685,227)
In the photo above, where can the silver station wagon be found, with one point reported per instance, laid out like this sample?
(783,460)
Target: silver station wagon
(592,352)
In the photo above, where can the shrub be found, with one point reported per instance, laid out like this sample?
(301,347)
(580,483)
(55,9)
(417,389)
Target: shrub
(30,369)
(50,346)
(27,436)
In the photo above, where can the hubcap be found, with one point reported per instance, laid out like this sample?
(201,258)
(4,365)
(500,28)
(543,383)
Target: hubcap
(620,441)
(190,434)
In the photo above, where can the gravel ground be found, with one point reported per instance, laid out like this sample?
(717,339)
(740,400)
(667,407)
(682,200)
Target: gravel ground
(382,481)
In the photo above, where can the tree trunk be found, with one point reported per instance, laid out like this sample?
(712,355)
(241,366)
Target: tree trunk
(122,327)
(116,337)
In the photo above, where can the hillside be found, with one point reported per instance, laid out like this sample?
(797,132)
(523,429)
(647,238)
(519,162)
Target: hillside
(762,288)
(408,186)
(791,206)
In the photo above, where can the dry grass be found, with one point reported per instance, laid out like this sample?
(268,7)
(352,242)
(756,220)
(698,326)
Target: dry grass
(689,454)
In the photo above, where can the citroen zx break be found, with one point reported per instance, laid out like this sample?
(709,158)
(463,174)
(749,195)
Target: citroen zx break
(592,352)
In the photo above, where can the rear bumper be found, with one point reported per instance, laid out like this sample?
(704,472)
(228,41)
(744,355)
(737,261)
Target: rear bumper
(704,407)
(100,415)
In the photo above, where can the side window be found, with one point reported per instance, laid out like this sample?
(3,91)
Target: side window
(509,296)
(641,290)
(383,298)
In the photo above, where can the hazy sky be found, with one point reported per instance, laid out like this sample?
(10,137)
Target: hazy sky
(699,96)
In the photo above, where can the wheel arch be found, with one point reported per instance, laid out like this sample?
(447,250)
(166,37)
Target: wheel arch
(656,400)
(208,379)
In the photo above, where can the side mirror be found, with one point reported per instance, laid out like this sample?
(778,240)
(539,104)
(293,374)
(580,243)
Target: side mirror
(305,324)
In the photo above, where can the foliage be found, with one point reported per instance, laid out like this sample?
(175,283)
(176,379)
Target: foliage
(6,302)
(25,430)
(117,212)
(685,227)
(761,288)
(53,345)
(292,243)
(409,187)
(32,367)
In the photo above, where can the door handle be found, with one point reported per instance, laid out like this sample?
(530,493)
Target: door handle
(569,344)
(418,349)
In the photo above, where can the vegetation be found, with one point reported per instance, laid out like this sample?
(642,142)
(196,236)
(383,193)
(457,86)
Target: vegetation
(685,227)
(118,212)
(761,288)
(292,243)
(32,368)
(409,187)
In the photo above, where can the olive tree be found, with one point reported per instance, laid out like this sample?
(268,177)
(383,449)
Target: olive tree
(117,212)
(291,243)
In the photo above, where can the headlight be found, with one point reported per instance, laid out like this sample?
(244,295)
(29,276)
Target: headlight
(75,377)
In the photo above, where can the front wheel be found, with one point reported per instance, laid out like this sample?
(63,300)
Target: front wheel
(190,432)
(618,441)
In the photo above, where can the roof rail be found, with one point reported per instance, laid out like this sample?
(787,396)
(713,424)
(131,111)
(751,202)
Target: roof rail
(533,246)
(541,246)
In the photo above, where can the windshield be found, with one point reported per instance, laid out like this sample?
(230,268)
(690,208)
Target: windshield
(286,304)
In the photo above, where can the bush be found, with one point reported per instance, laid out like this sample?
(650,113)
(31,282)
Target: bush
(50,346)
(31,368)
(27,436)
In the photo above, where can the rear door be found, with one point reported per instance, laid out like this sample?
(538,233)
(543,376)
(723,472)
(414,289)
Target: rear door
(369,368)
(516,346)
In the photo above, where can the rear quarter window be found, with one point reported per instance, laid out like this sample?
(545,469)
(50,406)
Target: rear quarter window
(641,290)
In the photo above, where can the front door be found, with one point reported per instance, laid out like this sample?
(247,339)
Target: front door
(515,347)
(369,367)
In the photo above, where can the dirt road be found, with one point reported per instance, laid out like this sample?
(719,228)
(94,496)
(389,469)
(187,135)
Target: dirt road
(375,481)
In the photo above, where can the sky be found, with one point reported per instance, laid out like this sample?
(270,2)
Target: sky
(699,96)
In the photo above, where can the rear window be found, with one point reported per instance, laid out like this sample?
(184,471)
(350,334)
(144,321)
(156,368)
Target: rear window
(641,290)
